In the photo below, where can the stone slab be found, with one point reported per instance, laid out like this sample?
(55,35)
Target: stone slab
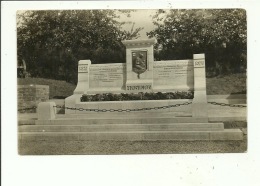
(123,128)
(82,121)
(173,74)
(26,122)
(48,136)
(223,119)
(227,134)
(107,76)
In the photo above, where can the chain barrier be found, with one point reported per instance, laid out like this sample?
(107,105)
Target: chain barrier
(25,109)
(229,105)
(133,110)
(123,110)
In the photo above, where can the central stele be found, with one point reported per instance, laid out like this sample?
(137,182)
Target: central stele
(139,64)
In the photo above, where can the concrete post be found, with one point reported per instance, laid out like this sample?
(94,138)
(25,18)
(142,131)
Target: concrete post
(82,86)
(83,77)
(46,111)
(199,104)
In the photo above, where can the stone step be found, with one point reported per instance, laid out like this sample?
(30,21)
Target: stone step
(123,128)
(138,114)
(26,122)
(110,120)
(227,134)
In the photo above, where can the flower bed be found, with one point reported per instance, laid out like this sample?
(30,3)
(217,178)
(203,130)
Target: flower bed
(137,96)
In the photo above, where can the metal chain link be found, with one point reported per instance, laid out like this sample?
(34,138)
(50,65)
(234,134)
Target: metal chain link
(134,110)
(225,104)
(123,110)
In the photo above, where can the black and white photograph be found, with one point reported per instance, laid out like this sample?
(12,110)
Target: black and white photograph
(130,93)
(107,82)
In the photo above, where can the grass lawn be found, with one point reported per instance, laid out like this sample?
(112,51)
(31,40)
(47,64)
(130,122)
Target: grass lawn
(230,84)
(130,147)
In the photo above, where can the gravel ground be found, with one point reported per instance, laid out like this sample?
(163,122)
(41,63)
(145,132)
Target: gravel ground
(130,147)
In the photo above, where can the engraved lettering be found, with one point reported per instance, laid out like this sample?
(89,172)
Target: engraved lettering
(83,68)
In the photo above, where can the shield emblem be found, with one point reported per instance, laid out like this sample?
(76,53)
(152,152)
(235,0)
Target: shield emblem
(139,62)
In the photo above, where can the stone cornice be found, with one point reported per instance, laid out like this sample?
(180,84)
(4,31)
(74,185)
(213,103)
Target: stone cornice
(139,42)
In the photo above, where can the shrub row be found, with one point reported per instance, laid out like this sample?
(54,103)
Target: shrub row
(137,96)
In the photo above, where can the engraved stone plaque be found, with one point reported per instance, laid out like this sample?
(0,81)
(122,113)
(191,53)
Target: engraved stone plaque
(139,62)
(83,68)
(199,63)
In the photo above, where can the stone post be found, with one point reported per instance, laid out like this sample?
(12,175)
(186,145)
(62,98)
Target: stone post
(199,104)
(83,77)
(46,111)
(82,86)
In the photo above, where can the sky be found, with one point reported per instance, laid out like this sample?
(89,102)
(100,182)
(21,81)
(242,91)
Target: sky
(142,18)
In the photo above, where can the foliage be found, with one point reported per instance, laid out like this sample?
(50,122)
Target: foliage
(220,34)
(52,42)
(137,96)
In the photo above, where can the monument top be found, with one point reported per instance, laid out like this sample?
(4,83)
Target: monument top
(139,42)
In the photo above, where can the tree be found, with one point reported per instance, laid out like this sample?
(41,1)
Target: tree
(52,42)
(221,34)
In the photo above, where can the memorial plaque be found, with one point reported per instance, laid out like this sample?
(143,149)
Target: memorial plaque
(174,74)
(107,75)
(139,62)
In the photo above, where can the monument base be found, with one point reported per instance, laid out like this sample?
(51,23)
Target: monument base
(129,127)
(119,126)
(227,134)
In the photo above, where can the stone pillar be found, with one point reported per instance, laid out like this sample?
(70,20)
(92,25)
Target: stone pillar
(83,77)
(139,65)
(199,104)
(82,86)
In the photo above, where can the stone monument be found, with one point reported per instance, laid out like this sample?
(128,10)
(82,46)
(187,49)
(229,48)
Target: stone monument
(105,120)
(139,65)
(142,74)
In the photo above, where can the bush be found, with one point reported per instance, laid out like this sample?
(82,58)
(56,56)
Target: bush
(137,96)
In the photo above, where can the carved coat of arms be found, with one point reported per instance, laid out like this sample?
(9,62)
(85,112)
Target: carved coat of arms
(139,62)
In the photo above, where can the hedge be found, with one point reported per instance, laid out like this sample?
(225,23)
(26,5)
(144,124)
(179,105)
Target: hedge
(137,96)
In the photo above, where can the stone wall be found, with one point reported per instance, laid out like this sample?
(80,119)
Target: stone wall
(168,76)
(30,95)
(174,75)
(107,77)
(142,74)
